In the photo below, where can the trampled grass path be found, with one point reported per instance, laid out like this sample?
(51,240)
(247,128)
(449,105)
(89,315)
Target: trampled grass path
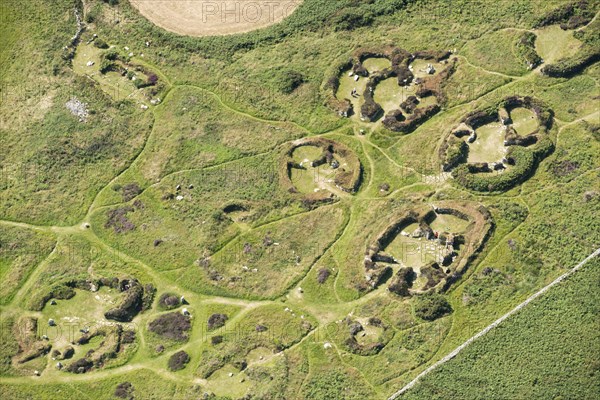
(491,326)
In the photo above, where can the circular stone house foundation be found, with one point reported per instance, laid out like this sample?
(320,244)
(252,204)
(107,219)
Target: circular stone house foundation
(332,167)
(409,115)
(427,254)
(521,149)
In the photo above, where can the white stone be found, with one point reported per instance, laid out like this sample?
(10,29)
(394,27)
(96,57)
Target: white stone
(327,345)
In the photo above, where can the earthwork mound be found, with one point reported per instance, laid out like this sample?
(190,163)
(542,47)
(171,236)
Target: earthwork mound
(406,89)
(428,247)
(318,168)
(494,149)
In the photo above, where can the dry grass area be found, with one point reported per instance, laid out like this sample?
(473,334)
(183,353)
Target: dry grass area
(208,18)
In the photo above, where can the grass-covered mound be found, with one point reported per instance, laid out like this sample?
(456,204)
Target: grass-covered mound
(506,51)
(271,327)
(21,251)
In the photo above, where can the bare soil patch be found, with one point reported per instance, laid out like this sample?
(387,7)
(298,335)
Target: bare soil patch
(208,18)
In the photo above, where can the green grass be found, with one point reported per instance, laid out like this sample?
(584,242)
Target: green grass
(227,115)
(21,251)
(489,145)
(553,43)
(526,356)
(53,164)
(497,51)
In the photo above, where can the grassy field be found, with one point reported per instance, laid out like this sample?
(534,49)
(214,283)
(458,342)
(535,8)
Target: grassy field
(166,197)
(530,359)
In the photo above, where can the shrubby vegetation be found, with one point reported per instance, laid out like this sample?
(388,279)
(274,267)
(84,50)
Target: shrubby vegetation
(172,326)
(178,360)
(124,390)
(216,321)
(431,306)
(588,54)
(233,203)
(168,301)
(553,337)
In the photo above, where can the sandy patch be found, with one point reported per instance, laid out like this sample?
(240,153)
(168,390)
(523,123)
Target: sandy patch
(210,17)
